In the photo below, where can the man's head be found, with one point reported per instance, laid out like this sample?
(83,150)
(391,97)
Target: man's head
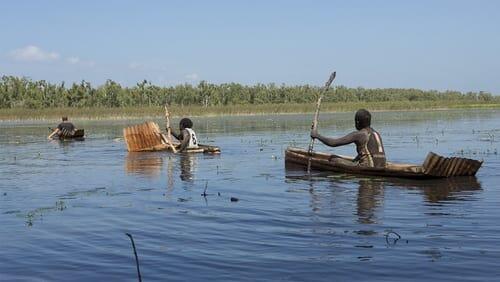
(362,119)
(64,118)
(185,123)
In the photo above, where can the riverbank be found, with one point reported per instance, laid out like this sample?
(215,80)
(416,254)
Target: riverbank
(248,109)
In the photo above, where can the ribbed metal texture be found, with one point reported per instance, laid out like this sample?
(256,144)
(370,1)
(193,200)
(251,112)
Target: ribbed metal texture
(437,165)
(142,137)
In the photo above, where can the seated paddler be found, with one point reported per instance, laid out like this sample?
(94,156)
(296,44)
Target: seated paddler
(65,128)
(368,142)
(187,136)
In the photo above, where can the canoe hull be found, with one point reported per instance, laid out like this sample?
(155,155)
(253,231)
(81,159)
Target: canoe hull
(207,149)
(147,137)
(336,163)
(78,135)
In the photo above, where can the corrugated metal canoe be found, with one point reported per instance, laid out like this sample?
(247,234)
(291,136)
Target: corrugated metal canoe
(147,137)
(78,135)
(434,166)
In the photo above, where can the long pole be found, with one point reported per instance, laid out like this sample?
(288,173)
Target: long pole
(169,134)
(316,116)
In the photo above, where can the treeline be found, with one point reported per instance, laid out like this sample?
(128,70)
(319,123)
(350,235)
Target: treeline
(16,92)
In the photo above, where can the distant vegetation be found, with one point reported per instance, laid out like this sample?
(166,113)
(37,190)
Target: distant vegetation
(256,109)
(23,93)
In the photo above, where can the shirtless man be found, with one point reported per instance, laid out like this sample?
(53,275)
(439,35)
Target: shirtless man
(369,145)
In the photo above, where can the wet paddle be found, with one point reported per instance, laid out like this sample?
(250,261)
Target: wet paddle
(316,115)
(53,132)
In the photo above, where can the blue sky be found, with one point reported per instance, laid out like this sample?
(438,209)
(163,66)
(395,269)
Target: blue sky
(419,44)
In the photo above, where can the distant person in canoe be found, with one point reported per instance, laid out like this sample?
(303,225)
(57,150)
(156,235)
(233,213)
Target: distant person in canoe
(65,128)
(368,142)
(187,136)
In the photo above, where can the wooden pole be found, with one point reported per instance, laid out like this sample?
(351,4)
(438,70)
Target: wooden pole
(316,116)
(169,134)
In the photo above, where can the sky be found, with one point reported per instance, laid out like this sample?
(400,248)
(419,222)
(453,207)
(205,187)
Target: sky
(440,44)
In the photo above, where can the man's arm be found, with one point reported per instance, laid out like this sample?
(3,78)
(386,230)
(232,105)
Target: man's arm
(184,140)
(177,136)
(335,142)
(53,133)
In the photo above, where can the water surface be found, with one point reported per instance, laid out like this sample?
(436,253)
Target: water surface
(65,207)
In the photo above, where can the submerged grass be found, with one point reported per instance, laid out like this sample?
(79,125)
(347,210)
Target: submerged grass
(247,109)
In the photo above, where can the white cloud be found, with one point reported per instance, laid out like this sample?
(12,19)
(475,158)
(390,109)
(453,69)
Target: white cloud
(33,53)
(73,60)
(191,76)
(80,62)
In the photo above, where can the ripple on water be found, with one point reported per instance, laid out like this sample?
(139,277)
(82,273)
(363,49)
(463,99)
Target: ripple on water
(65,207)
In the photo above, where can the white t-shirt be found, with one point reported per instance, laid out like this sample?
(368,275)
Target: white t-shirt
(193,141)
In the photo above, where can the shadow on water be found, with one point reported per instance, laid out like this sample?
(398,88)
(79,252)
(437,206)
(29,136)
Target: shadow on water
(370,190)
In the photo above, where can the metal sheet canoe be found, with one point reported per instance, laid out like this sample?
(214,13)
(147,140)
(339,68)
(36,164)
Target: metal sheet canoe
(434,166)
(147,137)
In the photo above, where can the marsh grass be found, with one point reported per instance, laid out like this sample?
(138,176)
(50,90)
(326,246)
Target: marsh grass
(247,109)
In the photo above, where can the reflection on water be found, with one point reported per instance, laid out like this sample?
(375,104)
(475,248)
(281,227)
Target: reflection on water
(441,190)
(64,207)
(145,164)
(150,164)
(370,191)
(370,194)
(187,163)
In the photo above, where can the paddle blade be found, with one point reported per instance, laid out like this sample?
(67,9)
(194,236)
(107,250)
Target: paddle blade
(330,80)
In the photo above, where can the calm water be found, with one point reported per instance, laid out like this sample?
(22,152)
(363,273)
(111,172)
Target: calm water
(65,207)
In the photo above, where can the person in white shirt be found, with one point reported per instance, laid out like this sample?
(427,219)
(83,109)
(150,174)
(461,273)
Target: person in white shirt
(187,136)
